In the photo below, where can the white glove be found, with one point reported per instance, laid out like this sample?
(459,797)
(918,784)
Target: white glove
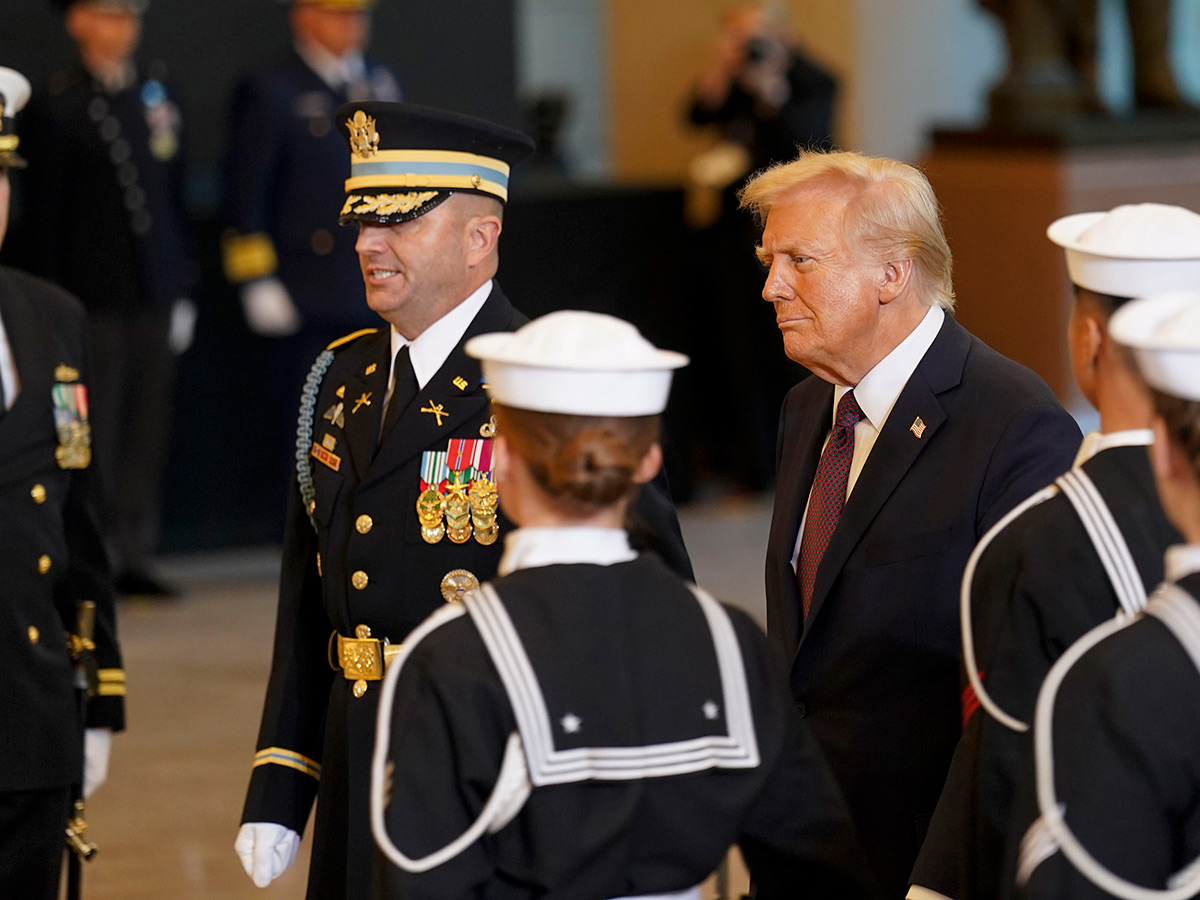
(97,743)
(183,326)
(266,850)
(269,309)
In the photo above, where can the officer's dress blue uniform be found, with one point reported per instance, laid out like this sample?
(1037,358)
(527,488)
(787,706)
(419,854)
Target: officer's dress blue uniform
(108,224)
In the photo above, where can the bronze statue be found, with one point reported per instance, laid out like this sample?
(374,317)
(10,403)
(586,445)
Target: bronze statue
(1053,48)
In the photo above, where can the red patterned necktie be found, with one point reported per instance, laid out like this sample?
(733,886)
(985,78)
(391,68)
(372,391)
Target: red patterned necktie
(828,495)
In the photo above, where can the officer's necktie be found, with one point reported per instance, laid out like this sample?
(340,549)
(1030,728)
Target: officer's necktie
(828,496)
(404,392)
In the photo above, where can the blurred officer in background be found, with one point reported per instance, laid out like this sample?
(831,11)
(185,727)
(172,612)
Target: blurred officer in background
(296,271)
(109,225)
(52,560)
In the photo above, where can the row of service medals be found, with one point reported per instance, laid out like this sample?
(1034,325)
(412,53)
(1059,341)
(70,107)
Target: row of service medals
(458,498)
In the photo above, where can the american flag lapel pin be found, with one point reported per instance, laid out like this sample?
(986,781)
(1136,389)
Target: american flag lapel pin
(918,427)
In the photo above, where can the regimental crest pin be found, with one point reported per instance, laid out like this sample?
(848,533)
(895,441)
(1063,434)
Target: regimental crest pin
(917,427)
(336,414)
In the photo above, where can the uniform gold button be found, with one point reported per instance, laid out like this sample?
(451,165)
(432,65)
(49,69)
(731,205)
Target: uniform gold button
(38,494)
(43,564)
(360,688)
(363,524)
(359,579)
(34,634)
(362,632)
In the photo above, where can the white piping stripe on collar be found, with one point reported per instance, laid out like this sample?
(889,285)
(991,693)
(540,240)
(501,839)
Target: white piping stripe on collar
(1106,536)
(736,750)
(1176,609)
(1110,545)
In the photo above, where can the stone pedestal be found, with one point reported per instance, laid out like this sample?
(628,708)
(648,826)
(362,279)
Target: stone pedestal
(998,196)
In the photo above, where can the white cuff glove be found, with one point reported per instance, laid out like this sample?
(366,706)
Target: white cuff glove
(97,743)
(269,309)
(183,326)
(266,850)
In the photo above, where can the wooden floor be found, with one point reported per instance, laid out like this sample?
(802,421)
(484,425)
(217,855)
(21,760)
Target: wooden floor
(197,667)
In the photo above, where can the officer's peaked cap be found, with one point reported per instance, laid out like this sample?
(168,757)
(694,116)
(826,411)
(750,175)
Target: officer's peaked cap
(405,160)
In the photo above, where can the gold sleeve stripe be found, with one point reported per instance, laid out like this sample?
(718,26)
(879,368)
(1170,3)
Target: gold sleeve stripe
(247,256)
(9,142)
(289,758)
(353,336)
(111,675)
(104,689)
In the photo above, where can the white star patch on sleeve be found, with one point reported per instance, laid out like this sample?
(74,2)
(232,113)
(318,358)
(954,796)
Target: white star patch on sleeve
(571,723)
(711,710)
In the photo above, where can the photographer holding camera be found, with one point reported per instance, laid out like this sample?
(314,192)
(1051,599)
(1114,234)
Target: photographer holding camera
(765,100)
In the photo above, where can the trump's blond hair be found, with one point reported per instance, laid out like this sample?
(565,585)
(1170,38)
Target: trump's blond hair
(892,214)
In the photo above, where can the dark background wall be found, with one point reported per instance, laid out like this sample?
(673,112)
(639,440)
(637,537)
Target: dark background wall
(456,54)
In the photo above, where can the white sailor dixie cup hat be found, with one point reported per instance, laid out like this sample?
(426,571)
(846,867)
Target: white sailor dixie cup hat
(1133,250)
(1164,333)
(581,363)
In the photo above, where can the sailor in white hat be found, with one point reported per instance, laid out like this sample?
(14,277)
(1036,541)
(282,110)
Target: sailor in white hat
(1074,555)
(1117,726)
(587,724)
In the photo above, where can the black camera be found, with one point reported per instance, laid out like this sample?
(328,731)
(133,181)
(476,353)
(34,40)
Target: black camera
(757,50)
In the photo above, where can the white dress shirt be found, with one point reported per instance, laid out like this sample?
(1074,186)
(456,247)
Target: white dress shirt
(876,393)
(8,370)
(433,346)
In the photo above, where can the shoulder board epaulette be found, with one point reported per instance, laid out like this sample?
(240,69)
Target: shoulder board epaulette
(353,336)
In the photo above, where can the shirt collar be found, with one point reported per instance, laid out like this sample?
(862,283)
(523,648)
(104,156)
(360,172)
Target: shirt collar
(1180,561)
(430,349)
(1095,441)
(879,389)
(335,71)
(529,548)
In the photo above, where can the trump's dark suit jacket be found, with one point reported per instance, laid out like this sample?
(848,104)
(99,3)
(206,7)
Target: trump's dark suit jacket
(875,668)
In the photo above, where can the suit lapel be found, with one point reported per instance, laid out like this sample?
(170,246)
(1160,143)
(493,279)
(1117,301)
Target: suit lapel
(362,426)
(803,440)
(417,431)
(896,450)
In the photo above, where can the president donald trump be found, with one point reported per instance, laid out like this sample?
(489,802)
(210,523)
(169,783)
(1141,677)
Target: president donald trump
(911,441)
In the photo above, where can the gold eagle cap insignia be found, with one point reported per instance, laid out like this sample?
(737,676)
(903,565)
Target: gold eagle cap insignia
(364,139)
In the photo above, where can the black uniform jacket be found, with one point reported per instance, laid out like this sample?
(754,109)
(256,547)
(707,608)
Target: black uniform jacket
(1127,760)
(284,180)
(624,658)
(106,192)
(50,523)
(876,666)
(314,730)
(1039,586)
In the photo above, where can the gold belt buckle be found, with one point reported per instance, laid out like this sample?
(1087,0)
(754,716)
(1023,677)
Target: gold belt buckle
(360,658)
(363,658)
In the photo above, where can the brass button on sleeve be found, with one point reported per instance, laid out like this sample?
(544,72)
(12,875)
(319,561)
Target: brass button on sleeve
(359,579)
(43,564)
(34,634)
(364,524)
(38,493)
